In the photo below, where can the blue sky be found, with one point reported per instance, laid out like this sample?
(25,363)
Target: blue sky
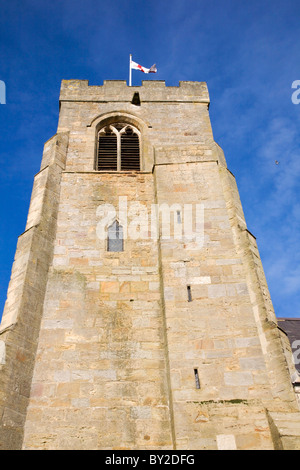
(247,52)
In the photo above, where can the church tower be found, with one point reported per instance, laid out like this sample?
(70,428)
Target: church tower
(138,315)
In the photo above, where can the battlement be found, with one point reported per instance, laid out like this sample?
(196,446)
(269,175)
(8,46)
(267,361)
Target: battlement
(118,90)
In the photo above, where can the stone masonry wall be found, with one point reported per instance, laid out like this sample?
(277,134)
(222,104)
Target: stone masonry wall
(169,344)
(101,380)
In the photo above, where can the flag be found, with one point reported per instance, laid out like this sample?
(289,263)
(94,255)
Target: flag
(136,66)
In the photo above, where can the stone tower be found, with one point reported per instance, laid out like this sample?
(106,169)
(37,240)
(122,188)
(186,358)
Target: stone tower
(138,315)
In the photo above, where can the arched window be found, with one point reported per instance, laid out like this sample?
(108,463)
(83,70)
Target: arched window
(115,241)
(118,148)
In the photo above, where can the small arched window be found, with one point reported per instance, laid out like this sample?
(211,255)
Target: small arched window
(115,240)
(118,148)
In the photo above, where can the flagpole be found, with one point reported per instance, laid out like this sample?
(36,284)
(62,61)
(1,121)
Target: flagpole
(130,57)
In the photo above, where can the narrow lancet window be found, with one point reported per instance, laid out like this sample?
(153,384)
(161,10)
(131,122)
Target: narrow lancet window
(197,380)
(115,239)
(107,150)
(130,150)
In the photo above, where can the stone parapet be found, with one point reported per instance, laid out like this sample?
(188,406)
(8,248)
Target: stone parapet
(118,90)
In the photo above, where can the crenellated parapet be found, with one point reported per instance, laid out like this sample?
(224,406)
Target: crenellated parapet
(118,90)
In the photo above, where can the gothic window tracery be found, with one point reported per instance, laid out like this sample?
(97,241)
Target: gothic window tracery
(118,148)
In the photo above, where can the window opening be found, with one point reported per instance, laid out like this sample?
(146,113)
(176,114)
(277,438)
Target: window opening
(115,241)
(107,150)
(118,148)
(197,380)
(189,293)
(130,150)
(136,99)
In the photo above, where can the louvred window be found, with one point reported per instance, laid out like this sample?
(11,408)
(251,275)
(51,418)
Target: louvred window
(118,148)
(107,152)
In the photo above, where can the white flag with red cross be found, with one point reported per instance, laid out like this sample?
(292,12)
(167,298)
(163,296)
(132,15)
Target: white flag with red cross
(136,66)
